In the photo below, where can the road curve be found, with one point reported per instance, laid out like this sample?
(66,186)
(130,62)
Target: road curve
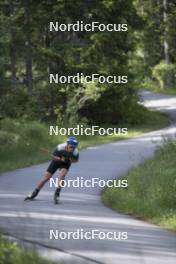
(81,208)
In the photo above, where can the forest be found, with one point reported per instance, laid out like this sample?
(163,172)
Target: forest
(30,52)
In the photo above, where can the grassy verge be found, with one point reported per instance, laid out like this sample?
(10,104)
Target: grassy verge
(167,91)
(154,87)
(11,253)
(150,194)
(21,142)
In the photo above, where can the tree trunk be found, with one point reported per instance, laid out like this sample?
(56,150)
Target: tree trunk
(13,47)
(49,70)
(28,48)
(166,45)
(167,58)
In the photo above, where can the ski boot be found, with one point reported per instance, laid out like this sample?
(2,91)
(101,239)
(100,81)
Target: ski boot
(56,195)
(31,196)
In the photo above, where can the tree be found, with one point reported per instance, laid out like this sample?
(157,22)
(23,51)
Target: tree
(13,47)
(165,39)
(28,46)
(34,52)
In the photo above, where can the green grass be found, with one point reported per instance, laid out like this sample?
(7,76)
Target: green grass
(21,141)
(12,253)
(151,191)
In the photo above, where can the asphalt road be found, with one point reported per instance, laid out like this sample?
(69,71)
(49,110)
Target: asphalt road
(81,208)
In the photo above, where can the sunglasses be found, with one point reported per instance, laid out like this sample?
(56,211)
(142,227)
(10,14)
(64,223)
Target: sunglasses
(71,147)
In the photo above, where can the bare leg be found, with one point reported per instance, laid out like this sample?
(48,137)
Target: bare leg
(61,177)
(46,178)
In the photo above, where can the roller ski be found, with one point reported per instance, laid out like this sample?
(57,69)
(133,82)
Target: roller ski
(31,196)
(57,195)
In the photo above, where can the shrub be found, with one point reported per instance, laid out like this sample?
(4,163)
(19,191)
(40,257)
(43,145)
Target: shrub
(11,252)
(35,131)
(8,138)
(165,75)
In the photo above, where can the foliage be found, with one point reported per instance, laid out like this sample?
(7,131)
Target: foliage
(31,53)
(151,189)
(161,72)
(155,46)
(11,252)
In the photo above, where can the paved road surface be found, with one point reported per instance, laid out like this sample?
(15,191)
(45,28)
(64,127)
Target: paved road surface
(82,208)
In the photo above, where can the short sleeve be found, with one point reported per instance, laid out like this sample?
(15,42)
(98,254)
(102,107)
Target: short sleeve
(59,150)
(76,154)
